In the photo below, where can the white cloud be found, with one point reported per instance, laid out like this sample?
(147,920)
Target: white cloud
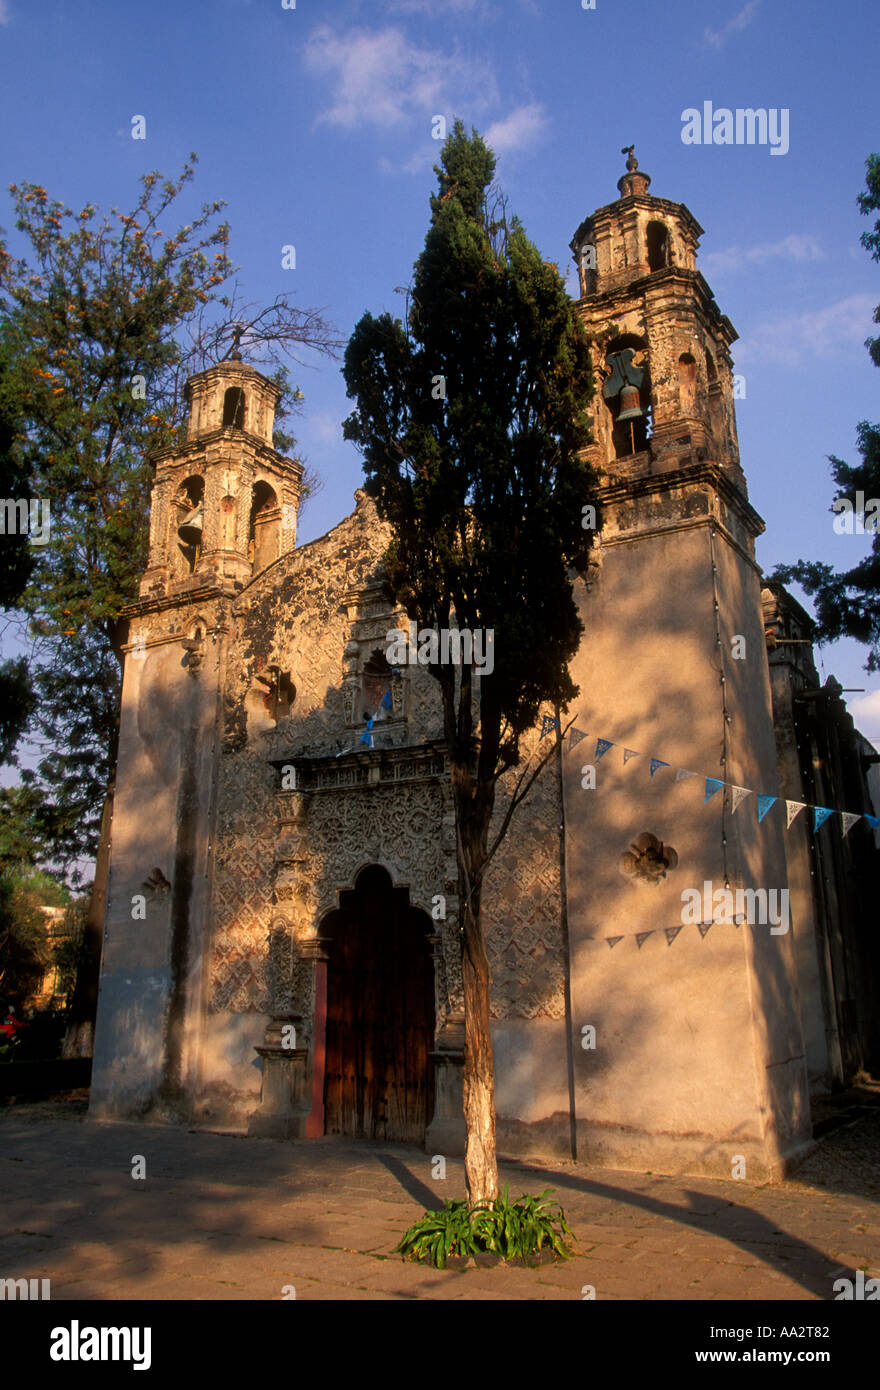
(522,128)
(419,162)
(434,6)
(717,38)
(380,78)
(818,332)
(795,247)
(865,710)
(322,428)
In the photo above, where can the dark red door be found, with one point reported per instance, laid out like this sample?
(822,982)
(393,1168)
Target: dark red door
(378,1081)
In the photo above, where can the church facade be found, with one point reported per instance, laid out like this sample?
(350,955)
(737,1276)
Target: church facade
(281,950)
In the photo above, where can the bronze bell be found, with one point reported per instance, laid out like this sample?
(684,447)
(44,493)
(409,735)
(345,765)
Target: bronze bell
(190,529)
(630,404)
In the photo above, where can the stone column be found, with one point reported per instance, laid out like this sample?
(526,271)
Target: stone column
(315,949)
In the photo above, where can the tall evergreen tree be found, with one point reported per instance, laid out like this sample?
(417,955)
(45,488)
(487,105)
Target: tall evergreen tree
(471,419)
(847,602)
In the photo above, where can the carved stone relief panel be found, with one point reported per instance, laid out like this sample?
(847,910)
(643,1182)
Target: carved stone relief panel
(337,832)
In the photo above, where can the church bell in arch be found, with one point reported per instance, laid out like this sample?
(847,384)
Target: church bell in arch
(630,404)
(190,529)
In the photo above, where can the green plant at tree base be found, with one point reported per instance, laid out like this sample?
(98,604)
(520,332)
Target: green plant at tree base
(510,1230)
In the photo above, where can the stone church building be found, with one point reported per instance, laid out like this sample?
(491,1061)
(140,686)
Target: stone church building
(281,953)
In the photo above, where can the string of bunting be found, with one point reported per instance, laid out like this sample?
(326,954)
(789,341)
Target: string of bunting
(713,785)
(672,932)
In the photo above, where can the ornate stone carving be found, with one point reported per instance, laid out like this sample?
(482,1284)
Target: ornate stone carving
(283,959)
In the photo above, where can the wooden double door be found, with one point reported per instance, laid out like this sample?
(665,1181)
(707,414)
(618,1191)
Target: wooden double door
(378,1079)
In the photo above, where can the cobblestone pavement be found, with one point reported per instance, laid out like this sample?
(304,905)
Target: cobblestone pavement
(223,1217)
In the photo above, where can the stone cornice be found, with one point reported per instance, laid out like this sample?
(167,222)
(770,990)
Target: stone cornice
(625,488)
(424,762)
(226,434)
(617,300)
(188,598)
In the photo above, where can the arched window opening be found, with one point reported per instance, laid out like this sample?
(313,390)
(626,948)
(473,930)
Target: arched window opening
(711,369)
(687,382)
(264,528)
(627,393)
(233,408)
(376,701)
(190,509)
(658,246)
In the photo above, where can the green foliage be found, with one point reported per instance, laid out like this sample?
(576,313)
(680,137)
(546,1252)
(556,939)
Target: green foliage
(101,329)
(67,951)
(869,202)
(847,602)
(102,304)
(24,949)
(511,1230)
(16,563)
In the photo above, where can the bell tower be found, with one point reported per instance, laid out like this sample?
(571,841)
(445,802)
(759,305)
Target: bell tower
(224,510)
(674,690)
(225,504)
(661,344)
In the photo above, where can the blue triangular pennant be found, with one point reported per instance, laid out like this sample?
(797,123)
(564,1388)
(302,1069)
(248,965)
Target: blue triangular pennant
(712,786)
(548,724)
(873,821)
(820,815)
(655,764)
(764,804)
(366,736)
(602,746)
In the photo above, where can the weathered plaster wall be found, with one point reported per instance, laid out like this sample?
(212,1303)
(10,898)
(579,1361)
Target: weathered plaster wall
(150,968)
(697,1033)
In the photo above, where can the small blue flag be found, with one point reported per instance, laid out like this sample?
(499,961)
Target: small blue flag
(655,763)
(602,746)
(820,816)
(387,702)
(764,804)
(712,786)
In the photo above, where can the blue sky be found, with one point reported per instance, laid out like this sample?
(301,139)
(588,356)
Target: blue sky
(314,124)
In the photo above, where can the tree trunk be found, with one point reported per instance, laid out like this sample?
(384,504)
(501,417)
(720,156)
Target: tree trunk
(480,1162)
(79,1037)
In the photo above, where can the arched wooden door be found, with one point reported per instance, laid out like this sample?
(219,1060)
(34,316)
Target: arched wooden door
(378,1079)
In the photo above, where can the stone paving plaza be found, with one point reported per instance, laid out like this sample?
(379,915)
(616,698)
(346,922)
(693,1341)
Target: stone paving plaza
(223,1217)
